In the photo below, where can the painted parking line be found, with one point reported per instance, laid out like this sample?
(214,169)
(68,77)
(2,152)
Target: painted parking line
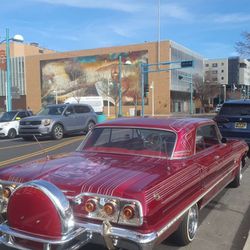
(45,150)
(31,143)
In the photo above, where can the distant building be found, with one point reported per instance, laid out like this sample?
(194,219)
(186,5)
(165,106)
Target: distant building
(233,73)
(51,77)
(18,53)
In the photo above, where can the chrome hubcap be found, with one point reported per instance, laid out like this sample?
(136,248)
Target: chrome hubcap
(192,223)
(58,132)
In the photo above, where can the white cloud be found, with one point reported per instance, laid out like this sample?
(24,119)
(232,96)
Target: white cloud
(176,11)
(231,18)
(122,5)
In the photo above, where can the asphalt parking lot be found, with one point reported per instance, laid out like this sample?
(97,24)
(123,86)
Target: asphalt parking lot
(224,222)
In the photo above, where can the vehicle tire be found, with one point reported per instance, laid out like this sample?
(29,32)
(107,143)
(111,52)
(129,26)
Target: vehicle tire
(27,138)
(57,132)
(12,133)
(188,227)
(238,177)
(90,125)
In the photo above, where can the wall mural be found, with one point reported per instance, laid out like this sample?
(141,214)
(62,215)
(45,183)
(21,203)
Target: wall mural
(93,76)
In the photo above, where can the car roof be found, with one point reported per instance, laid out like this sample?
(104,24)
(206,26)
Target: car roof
(241,101)
(172,123)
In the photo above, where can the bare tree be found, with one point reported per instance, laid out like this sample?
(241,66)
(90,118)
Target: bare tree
(205,90)
(243,47)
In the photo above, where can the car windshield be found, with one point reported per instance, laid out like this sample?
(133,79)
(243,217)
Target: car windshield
(7,116)
(137,141)
(235,109)
(52,110)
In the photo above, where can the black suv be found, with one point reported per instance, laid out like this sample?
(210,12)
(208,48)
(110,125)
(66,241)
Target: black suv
(233,119)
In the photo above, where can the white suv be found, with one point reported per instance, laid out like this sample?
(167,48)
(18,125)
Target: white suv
(9,122)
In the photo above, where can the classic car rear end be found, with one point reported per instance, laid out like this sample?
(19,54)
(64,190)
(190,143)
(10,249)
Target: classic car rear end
(131,183)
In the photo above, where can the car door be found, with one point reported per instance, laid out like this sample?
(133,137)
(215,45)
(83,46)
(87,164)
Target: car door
(69,119)
(83,116)
(213,155)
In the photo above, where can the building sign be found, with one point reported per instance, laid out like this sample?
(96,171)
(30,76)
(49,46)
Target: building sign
(2,60)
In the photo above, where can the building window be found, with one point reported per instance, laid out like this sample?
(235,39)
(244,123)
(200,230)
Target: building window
(214,79)
(207,65)
(222,78)
(214,65)
(222,70)
(214,71)
(222,63)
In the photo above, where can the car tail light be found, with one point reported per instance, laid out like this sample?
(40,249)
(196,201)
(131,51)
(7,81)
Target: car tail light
(90,205)
(109,208)
(129,212)
(8,191)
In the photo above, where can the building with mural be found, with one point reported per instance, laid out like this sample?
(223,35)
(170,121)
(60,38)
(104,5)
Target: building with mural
(115,74)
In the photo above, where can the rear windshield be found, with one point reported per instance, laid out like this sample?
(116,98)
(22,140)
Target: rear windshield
(147,142)
(235,109)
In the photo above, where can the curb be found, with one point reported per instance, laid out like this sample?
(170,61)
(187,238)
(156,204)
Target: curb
(247,244)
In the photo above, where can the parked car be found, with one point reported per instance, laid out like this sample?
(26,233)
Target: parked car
(9,122)
(132,182)
(57,120)
(234,119)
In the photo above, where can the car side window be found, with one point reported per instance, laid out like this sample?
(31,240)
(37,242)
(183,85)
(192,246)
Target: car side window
(22,114)
(206,137)
(69,110)
(82,109)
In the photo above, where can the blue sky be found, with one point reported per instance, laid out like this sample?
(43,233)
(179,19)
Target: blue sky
(210,28)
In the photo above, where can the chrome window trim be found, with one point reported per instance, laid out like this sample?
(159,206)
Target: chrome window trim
(80,147)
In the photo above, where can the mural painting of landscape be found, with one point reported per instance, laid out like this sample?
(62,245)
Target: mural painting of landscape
(93,76)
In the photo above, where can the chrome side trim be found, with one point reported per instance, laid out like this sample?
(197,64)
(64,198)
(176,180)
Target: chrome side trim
(59,200)
(167,226)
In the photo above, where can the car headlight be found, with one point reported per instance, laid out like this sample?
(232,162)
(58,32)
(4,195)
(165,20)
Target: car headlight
(115,209)
(5,124)
(46,122)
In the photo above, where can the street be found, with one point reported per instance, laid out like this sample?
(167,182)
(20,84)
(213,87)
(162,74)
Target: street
(224,222)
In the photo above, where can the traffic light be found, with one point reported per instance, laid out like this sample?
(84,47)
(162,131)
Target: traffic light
(146,89)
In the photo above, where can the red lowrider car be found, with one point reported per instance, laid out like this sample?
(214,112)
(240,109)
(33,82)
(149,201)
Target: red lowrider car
(131,183)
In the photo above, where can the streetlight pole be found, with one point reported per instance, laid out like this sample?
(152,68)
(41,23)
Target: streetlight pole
(191,94)
(17,38)
(8,83)
(153,98)
(120,87)
(225,92)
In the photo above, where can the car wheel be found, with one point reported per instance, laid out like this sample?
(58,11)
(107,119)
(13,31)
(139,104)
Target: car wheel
(90,126)
(188,227)
(238,177)
(12,133)
(27,138)
(57,132)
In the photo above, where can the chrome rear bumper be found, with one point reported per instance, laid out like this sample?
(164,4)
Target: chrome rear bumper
(104,234)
